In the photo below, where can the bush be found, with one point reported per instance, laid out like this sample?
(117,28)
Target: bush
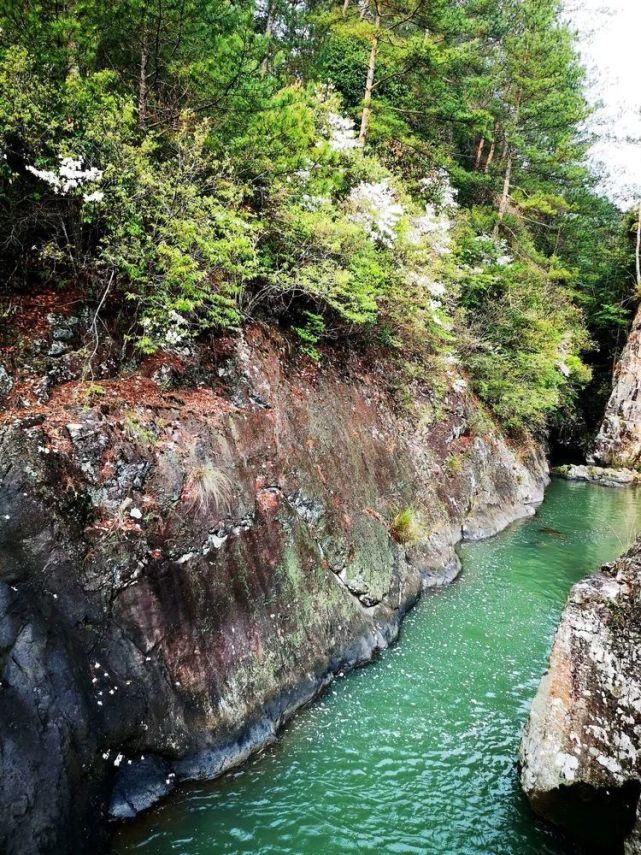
(525,334)
(405,527)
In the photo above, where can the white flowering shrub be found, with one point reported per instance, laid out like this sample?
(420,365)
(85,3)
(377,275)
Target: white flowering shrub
(375,208)
(438,190)
(171,331)
(486,251)
(434,227)
(343,133)
(70,176)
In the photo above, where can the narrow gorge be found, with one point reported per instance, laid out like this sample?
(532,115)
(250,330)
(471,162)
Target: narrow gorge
(318,334)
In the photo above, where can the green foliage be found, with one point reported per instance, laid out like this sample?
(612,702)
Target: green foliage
(526,333)
(453,465)
(174,232)
(215,177)
(405,528)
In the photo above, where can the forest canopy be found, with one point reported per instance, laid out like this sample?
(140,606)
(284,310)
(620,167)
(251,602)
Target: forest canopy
(397,175)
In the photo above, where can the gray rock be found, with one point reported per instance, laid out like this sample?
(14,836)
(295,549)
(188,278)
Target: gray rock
(190,639)
(600,475)
(57,348)
(6,382)
(618,442)
(581,750)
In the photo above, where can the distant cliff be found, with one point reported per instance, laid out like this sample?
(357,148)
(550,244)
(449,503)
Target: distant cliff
(618,443)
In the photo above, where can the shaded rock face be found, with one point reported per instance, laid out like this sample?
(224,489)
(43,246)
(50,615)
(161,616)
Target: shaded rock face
(190,553)
(618,442)
(580,754)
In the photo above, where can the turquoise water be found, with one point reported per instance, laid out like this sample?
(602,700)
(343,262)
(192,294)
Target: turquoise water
(416,753)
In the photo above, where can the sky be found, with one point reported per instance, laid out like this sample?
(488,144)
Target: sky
(609,42)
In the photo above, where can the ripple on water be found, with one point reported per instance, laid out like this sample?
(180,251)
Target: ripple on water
(416,754)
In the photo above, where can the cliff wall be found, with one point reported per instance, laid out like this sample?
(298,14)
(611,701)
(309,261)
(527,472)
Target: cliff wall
(618,443)
(191,549)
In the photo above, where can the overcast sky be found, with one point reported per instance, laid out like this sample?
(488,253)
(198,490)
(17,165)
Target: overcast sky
(610,43)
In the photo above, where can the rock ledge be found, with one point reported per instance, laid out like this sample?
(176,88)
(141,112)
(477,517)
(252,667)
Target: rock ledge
(599,475)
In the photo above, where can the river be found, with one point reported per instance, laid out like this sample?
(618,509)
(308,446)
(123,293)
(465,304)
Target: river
(417,752)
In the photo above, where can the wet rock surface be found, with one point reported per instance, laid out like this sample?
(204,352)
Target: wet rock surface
(599,475)
(580,754)
(190,552)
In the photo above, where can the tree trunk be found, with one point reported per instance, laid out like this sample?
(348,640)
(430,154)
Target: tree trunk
(490,156)
(369,82)
(142,80)
(269,29)
(345,7)
(479,152)
(505,195)
(638,254)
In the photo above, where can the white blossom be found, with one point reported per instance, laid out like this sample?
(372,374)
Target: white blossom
(494,251)
(421,280)
(69,176)
(313,203)
(96,196)
(343,134)
(436,226)
(174,336)
(436,185)
(374,208)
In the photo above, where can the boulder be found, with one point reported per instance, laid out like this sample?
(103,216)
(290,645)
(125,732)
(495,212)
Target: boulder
(580,754)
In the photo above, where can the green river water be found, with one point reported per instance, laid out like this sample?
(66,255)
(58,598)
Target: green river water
(417,752)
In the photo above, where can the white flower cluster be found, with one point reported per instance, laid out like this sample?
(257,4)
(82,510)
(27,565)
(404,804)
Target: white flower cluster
(313,203)
(172,335)
(495,250)
(179,331)
(70,176)
(436,222)
(374,208)
(436,226)
(436,185)
(436,290)
(564,350)
(343,134)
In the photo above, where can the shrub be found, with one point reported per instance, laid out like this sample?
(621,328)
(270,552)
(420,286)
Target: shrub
(405,527)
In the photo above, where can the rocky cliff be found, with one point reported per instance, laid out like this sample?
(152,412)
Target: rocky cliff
(580,758)
(191,548)
(618,443)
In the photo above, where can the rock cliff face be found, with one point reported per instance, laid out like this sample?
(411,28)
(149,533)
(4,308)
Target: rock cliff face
(618,443)
(580,757)
(189,552)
